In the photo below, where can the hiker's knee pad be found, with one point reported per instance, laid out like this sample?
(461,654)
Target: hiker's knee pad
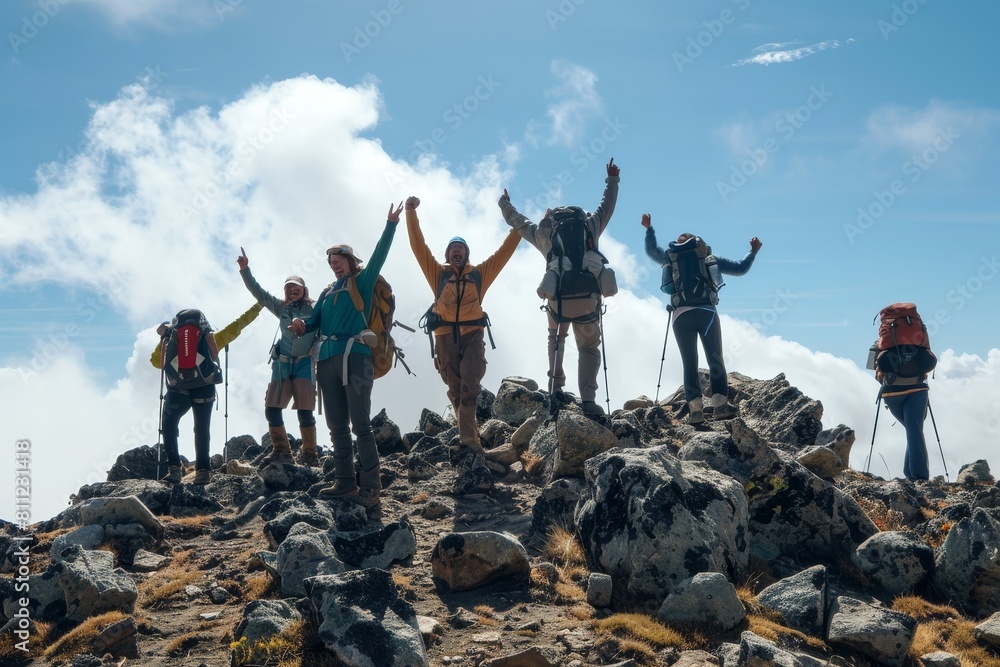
(306,418)
(273,417)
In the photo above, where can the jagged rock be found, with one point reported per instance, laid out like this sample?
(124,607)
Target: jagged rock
(695,658)
(462,561)
(419,469)
(388,438)
(86,537)
(241,447)
(219,595)
(305,554)
(515,402)
(628,430)
(651,521)
(85,660)
(544,441)
(288,477)
(117,511)
(432,424)
(46,600)
(839,439)
(556,505)
(779,412)
(975,473)
(429,629)
(531,657)
(393,543)
(361,619)
(484,405)
(92,584)
(154,495)
(642,401)
(281,514)
(792,511)
(146,561)
(707,598)
(263,619)
(472,477)
(495,432)
(880,634)
(239,468)
(431,450)
(521,437)
(821,461)
(118,639)
(897,561)
(127,539)
(755,651)
(599,589)
(967,564)
(504,455)
(138,463)
(549,572)
(579,439)
(527,383)
(800,600)
(940,659)
(989,630)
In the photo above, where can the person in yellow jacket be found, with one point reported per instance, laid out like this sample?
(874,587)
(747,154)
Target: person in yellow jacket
(178,400)
(459,288)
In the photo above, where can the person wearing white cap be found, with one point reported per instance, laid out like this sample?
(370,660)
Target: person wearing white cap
(459,288)
(293,364)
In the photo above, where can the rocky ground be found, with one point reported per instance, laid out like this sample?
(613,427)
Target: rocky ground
(200,557)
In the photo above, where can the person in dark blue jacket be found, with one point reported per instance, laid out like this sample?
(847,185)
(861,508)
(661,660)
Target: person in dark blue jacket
(692,277)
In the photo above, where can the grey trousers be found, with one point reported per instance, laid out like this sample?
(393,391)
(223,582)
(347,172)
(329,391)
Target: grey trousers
(348,409)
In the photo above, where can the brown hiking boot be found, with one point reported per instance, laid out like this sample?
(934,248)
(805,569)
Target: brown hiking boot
(173,476)
(309,455)
(202,476)
(695,414)
(343,487)
(281,450)
(368,498)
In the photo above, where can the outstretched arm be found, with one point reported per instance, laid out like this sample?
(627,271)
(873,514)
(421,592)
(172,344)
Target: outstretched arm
(233,329)
(602,214)
(526,228)
(654,252)
(265,298)
(731,268)
(493,265)
(425,257)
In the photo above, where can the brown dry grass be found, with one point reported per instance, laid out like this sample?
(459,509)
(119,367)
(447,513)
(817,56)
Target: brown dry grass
(884,517)
(78,639)
(188,521)
(648,631)
(421,497)
(38,639)
(165,584)
(562,547)
(259,586)
(533,465)
(943,628)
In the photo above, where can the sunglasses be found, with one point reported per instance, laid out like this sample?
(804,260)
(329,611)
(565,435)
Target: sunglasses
(340,250)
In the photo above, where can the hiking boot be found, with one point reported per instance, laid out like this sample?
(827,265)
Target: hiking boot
(695,414)
(173,476)
(281,449)
(309,455)
(722,408)
(202,476)
(343,487)
(368,498)
(592,409)
(476,448)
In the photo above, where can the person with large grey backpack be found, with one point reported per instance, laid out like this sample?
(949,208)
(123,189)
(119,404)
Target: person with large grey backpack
(692,276)
(574,285)
(293,367)
(188,359)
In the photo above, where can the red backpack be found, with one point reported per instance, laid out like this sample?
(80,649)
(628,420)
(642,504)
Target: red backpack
(187,360)
(905,348)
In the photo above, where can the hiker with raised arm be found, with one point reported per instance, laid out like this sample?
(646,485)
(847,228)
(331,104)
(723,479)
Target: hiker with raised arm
(188,357)
(457,319)
(293,363)
(345,372)
(692,276)
(575,282)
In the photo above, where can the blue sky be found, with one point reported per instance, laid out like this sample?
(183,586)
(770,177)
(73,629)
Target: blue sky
(147,141)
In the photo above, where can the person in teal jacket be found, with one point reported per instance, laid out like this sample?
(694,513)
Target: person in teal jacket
(345,373)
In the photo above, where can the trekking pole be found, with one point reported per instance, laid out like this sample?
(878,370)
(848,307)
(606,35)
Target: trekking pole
(938,437)
(159,440)
(225,447)
(663,357)
(604,356)
(878,400)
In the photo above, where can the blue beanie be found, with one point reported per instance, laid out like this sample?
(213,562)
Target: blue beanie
(457,239)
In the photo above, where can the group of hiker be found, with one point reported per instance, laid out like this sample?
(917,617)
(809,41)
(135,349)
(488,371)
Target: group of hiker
(328,344)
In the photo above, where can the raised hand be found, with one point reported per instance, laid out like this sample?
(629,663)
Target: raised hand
(394,215)
(646,220)
(755,244)
(613,169)
(243,260)
(412,203)
(504,199)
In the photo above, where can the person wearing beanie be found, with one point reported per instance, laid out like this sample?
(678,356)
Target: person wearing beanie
(293,363)
(579,310)
(459,288)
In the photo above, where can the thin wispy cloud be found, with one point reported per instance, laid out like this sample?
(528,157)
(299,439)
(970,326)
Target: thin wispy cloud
(160,14)
(787,52)
(575,101)
(909,130)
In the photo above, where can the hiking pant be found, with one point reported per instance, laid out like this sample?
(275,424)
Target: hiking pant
(462,365)
(348,408)
(175,405)
(588,344)
(911,410)
(689,326)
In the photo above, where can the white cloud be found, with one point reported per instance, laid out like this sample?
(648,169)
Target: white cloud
(160,14)
(938,125)
(153,212)
(576,101)
(775,53)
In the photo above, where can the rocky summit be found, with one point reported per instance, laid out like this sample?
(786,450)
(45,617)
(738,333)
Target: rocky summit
(630,539)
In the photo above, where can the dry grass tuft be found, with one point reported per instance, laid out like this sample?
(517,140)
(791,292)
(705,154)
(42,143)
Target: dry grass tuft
(78,639)
(533,465)
(648,630)
(563,548)
(581,612)
(186,642)
(259,586)
(285,647)
(163,585)
(421,497)
(187,521)
(922,610)
(943,628)
(772,629)
(884,517)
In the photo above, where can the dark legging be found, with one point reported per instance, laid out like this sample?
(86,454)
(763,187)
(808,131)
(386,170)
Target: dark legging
(274,417)
(911,410)
(348,408)
(175,405)
(689,326)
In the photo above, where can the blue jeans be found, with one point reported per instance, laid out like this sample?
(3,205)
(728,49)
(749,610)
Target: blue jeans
(911,410)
